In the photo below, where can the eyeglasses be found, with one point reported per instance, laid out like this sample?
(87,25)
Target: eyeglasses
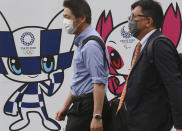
(132,16)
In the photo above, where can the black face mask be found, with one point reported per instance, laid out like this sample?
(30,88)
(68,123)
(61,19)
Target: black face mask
(132,26)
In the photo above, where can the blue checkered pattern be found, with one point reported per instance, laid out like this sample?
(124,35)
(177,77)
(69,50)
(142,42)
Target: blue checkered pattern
(30,95)
(11,105)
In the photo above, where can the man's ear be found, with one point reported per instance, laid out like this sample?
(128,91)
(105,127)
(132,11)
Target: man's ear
(150,22)
(83,18)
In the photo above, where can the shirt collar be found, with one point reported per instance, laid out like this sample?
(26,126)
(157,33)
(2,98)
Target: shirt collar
(146,37)
(79,38)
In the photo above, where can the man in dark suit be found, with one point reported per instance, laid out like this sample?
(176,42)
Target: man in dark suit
(154,91)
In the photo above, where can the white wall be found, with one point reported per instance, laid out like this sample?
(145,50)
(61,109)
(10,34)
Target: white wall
(20,13)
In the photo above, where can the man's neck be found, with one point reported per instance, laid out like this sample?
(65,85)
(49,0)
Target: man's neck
(143,33)
(81,28)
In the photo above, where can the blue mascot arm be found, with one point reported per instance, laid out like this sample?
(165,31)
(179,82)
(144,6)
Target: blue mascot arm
(56,79)
(11,106)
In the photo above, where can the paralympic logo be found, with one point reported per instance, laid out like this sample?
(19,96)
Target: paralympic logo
(125,34)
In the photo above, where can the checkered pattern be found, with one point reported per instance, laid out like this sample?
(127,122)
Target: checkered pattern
(11,105)
(30,95)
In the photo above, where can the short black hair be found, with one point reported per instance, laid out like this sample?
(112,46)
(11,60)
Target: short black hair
(79,8)
(152,9)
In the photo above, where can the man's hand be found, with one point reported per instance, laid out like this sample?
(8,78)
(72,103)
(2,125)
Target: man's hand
(61,114)
(96,125)
(99,94)
(178,129)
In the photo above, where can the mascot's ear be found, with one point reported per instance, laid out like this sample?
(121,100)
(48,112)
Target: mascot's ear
(172,24)
(105,25)
(56,21)
(5,40)
(66,43)
(65,54)
(4,26)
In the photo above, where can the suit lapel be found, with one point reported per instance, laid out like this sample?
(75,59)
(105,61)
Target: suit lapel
(141,53)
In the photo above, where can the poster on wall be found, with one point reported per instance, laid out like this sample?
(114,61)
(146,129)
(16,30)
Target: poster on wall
(36,56)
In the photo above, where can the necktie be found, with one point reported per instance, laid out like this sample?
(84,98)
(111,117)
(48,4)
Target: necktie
(137,52)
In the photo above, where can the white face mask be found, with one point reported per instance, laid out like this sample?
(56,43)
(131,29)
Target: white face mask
(68,26)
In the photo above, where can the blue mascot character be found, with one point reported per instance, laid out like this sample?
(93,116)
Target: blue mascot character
(30,55)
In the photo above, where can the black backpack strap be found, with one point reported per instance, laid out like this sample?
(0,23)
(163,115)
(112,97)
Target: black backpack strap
(100,42)
(180,55)
(150,47)
(180,58)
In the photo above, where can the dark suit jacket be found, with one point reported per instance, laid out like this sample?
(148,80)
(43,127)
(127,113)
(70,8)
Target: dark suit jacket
(154,91)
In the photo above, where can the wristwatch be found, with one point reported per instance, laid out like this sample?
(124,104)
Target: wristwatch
(97,116)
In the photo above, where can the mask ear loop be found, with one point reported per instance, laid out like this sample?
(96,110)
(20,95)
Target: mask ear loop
(78,25)
(75,28)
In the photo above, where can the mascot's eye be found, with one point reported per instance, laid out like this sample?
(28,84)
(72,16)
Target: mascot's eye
(15,66)
(116,60)
(48,64)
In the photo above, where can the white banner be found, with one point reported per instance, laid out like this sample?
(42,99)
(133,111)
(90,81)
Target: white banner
(36,56)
